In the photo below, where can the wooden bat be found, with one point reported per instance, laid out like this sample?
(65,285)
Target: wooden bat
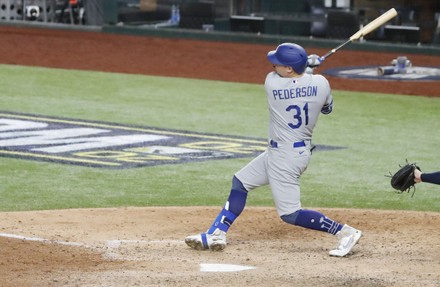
(373,25)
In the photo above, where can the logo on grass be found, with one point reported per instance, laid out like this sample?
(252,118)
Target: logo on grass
(377,73)
(108,145)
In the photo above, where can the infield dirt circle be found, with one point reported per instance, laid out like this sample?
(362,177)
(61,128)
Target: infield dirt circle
(145,246)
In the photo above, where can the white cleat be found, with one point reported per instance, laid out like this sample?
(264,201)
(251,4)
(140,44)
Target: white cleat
(215,241)
(348,237)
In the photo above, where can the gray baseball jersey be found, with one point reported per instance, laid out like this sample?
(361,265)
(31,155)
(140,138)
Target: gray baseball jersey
(294,108)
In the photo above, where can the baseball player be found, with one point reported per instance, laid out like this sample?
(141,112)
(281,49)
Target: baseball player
(433,177)
(295,100)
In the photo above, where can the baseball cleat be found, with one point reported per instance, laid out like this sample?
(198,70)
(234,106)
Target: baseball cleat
(215,241)
(348,237)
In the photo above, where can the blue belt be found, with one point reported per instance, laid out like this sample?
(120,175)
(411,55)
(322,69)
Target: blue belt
(274,144)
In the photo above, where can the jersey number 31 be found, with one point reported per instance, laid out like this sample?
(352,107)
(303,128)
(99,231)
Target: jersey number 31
(298,115)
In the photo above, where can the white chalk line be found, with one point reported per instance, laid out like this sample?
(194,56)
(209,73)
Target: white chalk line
(118,243)
(37,239)
(113,245)
(109,243)
(111,248)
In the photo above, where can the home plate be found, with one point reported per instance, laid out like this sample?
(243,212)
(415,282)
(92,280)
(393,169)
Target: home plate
(223,267)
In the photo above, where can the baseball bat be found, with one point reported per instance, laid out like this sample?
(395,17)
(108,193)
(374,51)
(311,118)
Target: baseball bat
(373,25)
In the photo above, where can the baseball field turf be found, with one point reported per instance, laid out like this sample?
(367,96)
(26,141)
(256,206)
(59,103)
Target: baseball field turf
(378,132)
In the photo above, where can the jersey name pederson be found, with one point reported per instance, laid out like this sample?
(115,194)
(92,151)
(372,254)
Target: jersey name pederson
(300,92)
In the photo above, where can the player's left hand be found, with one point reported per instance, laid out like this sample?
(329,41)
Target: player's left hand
(314,61)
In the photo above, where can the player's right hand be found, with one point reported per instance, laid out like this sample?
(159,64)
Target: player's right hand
(314,61)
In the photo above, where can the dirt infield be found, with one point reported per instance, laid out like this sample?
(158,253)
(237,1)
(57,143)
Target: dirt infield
(144,246)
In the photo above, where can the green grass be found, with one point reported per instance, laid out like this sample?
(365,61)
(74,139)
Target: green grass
(379,132)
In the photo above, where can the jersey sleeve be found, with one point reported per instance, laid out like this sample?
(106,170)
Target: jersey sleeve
(327,108)
(431,177)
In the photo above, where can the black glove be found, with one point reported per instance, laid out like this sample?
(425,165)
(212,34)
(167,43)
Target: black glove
(403,179)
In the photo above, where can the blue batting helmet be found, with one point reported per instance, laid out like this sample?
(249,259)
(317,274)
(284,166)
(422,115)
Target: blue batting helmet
(289,54)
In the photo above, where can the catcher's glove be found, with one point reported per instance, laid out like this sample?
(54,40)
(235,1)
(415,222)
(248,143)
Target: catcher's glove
(403,179)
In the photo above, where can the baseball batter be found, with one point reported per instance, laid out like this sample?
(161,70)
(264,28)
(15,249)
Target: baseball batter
(295,100)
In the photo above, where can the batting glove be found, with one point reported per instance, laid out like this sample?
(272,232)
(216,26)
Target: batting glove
(314,61)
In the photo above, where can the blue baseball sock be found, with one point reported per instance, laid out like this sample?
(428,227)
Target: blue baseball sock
(232,209)
(312,220)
